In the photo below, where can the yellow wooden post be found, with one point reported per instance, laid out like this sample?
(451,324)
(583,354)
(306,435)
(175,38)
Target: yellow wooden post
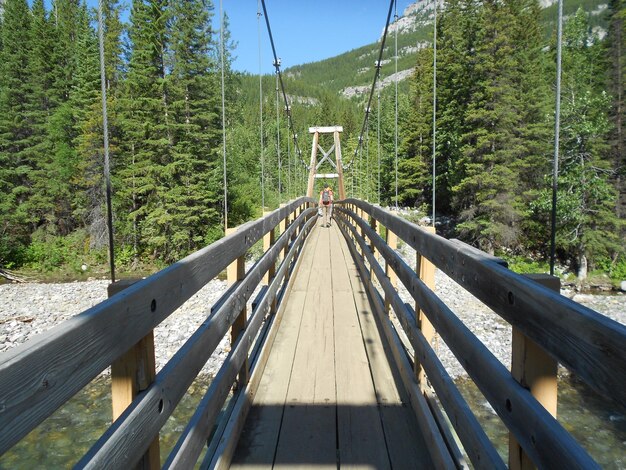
(268,241)
(131,374)
(374,226)
(236,272)
(392,242)
(283,224)
(426,272)
(536,370)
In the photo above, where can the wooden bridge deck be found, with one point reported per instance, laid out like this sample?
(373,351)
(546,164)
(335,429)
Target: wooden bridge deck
(328,397)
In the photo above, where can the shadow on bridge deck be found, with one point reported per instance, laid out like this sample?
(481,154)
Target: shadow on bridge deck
(328,397)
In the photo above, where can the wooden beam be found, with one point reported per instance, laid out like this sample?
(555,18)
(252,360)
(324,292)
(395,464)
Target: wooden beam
(131,374)
(325,130)
(70,355)
(238,273)
(548,443)
(535,370)
(589,344)
(338,157)
(479,448)
(312,171)
(426,272)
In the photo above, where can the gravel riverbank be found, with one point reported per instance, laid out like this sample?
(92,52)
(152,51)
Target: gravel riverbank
(29,309)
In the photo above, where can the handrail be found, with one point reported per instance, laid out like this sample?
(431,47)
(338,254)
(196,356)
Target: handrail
(481,451)
(538,432)
(119,447)
(587,343)
(40,375)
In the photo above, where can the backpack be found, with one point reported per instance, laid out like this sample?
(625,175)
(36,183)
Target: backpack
(326,197)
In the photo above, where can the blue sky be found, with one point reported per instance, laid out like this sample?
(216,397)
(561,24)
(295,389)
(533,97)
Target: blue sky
(304,30)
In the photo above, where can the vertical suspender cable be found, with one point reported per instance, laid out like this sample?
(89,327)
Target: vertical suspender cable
(105,131)
(258,15)
(289,186)
(557,124)
(434,108)
(378,143)
(277,65)
(367,161)
(396,84)
(225,179)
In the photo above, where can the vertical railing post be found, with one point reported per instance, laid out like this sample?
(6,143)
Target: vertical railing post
(426,272)
(236,271)
(374,226)
(392,241)
(131,374)
(268,241)
(284,223)
(535,370)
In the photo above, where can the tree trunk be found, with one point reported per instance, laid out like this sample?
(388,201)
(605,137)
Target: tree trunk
(582,267)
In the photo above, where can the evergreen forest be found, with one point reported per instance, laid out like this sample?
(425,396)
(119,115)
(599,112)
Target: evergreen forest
(493,146)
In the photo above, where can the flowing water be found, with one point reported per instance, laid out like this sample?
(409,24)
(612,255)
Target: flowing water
(598,424)
(62,439)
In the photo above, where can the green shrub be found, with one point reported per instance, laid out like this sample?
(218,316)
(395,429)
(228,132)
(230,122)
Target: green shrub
(522,265)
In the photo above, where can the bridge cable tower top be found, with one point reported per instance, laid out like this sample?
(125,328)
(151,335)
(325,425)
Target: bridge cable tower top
(315,165)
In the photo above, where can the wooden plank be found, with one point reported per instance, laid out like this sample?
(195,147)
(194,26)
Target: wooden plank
(195,435)
(259,439)
(40,375)
(308,436)
(477,445)
(405,445)
(589,344)
(361,439)
(438,450)
(538,432)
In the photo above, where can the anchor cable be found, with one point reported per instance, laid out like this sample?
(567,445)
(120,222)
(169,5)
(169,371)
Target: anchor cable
(376,76)
(282,85)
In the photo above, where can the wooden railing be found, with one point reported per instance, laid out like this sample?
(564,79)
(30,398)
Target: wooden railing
(39,376)
(590,345)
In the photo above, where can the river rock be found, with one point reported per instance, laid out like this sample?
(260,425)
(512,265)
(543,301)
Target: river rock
(29,309)
(623,286)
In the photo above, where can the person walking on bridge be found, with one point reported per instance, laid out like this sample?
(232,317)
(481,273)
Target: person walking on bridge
(326,205)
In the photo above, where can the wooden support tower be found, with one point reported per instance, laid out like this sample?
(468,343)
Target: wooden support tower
(337,164)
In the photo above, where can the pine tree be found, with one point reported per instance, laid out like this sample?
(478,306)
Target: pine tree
(194,199)
(144,177)
(617,63)
(587,225)
(414,167)
(16,131)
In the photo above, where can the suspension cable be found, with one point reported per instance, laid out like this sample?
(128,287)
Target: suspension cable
(434,110)
(376,76)
(225,179)
(396,101)
(282,85)
(258,16)
(105,131)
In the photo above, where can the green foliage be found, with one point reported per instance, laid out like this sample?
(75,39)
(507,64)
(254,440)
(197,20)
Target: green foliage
(49,252)
(523,265)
